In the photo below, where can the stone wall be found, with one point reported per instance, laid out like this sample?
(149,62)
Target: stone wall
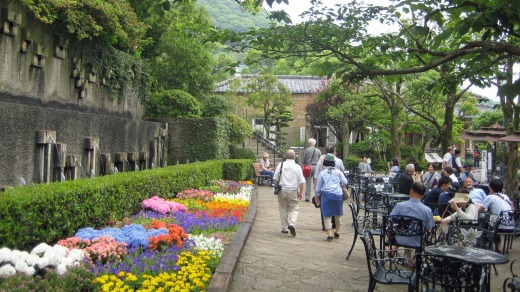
(55,120)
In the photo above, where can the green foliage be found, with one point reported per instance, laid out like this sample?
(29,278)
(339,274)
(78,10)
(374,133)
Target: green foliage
(117,70)
(241,153)
(48,212)
(197,139)
(227,14)
(114,23)
(216,105)
(268,95)
(351,161)
(238,129)
(487,119)
(236,170)
(77,279)
(182,57)
(172,104)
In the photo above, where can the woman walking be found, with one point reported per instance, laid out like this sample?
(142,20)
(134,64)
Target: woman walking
(330,194)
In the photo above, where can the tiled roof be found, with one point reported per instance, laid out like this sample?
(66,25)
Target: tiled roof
(295,83)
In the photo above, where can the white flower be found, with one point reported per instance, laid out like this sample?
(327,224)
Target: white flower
(61,269)
(7,270)
(5,255)
(470,236)
(40,249)
(208,243)
(32,259)
(22,267)
(75,257)
(55,255)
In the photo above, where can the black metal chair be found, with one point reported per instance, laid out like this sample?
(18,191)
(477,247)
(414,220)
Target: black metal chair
(407,228)
(384,269)
(508,227)
(375,202)
(442,273)
(512,283)
(362,223)
(471,236)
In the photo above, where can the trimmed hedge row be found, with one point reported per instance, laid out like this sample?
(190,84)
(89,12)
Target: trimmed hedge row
(49,212)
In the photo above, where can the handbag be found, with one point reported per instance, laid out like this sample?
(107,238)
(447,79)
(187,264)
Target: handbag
(346,192)
(307,167)
(306,170)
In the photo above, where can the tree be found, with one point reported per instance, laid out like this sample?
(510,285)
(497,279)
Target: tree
(268,94)
(472,39)
(238,129)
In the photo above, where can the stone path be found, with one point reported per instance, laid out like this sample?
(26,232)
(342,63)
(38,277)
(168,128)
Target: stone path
(272,261)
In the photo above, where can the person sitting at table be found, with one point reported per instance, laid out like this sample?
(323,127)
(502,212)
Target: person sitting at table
(364,166)
(467,172)
(448,171)
(477,195)
(414,208)
(406,179)
(444,199)
(430,178)
(496,202)
(393,167)
(432,198)
(265,168)
(462,207)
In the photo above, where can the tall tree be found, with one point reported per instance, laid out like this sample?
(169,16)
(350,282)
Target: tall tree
(269,95)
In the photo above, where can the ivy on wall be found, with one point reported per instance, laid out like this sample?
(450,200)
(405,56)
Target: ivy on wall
(118,71)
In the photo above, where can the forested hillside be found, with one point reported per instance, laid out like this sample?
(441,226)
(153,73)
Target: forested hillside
(227,14)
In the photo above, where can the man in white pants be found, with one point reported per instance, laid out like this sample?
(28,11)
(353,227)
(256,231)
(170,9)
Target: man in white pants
(292,182)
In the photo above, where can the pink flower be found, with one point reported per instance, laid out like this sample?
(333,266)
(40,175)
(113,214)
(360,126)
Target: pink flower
(162,206)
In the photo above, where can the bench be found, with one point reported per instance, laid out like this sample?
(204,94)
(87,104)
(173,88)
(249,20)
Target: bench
(259,178)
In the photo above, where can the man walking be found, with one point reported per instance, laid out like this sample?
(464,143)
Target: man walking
(289,176)
(448,157)
(311,155)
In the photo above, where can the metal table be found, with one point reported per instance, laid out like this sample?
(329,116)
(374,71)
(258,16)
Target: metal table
(469,254)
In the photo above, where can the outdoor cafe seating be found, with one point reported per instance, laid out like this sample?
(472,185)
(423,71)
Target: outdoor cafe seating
(456,257)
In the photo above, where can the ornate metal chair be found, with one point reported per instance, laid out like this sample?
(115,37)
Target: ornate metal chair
(404,231)
(442,273)
(512,283)
(471,236)
(384,269)
(508,228)
(363,223)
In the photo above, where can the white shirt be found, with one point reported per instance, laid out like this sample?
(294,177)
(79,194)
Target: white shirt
(337,162)
(454,178)
(292,175)
(447,158)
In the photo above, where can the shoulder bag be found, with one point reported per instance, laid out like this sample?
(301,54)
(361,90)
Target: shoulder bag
(346,191)
(278,186)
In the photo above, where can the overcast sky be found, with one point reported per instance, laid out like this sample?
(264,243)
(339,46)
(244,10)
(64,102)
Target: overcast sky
(296,7)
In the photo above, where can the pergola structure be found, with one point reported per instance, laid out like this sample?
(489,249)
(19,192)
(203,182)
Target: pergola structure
(494,133)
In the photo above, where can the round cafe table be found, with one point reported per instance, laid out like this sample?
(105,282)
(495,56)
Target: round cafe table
(468,254)
(397,196)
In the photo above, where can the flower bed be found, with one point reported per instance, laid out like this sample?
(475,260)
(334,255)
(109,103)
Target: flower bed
(176,243)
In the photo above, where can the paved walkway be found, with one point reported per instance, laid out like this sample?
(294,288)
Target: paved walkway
(272,261)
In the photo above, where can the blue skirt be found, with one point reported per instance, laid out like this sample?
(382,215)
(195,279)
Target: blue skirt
(331,204)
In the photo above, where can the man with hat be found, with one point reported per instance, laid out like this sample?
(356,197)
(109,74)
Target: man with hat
(467,172)
(444,199)
(463,208)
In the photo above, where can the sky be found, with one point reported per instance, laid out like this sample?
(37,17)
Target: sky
(296,7)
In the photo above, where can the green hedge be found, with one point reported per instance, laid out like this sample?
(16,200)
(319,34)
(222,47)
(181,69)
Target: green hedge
(49,212)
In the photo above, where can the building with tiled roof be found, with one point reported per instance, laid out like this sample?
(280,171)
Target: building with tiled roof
(303,89)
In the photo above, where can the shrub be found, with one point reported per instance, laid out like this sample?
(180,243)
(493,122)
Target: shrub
(172,103)
(241,153)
